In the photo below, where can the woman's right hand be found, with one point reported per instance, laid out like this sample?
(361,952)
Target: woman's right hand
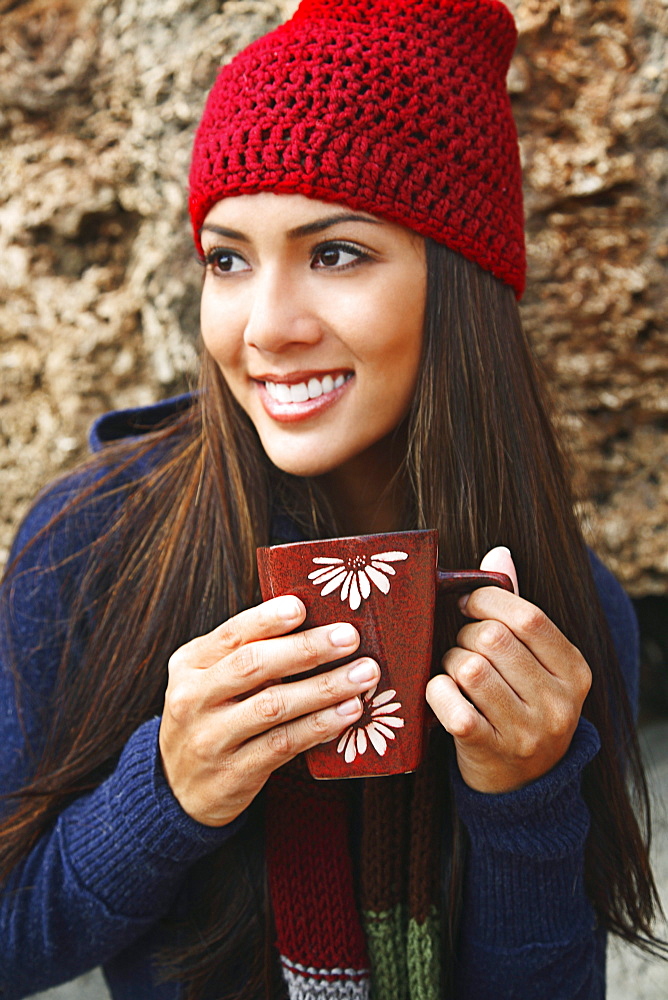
(229,722)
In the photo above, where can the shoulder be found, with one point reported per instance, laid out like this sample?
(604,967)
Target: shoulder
(122,452)
(132,424)
(61,534)
(63,559)
(622,622)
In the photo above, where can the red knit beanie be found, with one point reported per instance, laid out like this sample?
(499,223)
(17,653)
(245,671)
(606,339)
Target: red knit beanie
(394,107)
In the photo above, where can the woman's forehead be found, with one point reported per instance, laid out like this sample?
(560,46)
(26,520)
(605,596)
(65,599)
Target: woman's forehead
(294,215)
(283,205)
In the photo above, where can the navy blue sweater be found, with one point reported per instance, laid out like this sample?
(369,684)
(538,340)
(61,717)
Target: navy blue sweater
(93,889)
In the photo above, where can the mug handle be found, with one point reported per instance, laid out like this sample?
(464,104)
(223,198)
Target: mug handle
(462,581)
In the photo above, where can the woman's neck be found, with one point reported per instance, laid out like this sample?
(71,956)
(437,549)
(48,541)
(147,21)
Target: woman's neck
(368,493)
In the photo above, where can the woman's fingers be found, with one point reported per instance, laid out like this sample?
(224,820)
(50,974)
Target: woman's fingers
(236,777)
(252,651)
(217,759)
(547,713)
(455,713)
(269,619)
(514,663)
(280,744)
(501,742)
(266,661)
(332,696)
(499,560)
(247,682)
(483,684)
(229,720)
(531,626)
(512,689)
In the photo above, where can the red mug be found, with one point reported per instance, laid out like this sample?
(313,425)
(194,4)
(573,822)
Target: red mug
(385,585)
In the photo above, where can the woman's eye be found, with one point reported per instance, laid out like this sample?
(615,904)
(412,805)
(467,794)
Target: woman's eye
(338,256)
(225,262)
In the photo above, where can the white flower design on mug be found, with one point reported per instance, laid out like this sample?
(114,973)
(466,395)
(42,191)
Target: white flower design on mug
(375,728)
(355,574)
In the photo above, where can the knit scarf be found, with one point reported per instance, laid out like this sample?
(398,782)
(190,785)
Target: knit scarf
(349,933)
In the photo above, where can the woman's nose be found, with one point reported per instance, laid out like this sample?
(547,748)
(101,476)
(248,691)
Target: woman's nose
(280,316)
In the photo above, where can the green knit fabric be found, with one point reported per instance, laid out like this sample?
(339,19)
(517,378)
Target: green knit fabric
(386,942)
(405,959)
(423,958)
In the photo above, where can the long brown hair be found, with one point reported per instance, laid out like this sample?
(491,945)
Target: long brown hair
(179,557)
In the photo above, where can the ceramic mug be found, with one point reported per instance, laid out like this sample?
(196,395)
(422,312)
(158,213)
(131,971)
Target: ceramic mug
(385,585)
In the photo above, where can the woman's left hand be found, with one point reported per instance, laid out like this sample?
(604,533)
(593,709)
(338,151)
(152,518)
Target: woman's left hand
(512,689)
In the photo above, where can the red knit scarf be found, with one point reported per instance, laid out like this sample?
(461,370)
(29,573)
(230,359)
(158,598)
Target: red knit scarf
(337,939)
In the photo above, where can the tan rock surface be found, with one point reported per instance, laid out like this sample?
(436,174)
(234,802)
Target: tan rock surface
(591,86)
(98,284)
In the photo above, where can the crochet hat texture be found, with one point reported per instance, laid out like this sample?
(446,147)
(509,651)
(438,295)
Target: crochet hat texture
(394,107)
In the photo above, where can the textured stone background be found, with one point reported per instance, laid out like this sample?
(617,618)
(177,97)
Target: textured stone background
(98,284)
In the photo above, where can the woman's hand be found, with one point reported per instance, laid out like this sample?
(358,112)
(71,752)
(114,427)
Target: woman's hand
(512,689)
(228,721)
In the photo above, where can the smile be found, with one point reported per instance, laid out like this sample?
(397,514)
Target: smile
(289,402)
(300,392)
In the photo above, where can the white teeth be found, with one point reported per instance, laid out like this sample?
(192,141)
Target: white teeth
(301,392)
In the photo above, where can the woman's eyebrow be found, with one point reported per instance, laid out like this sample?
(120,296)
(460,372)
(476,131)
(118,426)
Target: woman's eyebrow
(331,220)
(229,234)
(308,229)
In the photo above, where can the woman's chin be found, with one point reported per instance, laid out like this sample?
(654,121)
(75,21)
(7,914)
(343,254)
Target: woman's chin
(304,466)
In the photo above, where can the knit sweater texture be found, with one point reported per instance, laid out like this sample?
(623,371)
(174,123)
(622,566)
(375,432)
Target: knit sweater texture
(94,888)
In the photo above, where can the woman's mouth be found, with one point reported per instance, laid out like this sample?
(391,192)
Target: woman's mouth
(298,400)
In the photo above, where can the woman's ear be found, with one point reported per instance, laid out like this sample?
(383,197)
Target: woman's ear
(499,560)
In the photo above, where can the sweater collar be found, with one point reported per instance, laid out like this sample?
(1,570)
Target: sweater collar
(121,424)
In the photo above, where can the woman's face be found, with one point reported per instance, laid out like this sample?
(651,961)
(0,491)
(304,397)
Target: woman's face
(314,314)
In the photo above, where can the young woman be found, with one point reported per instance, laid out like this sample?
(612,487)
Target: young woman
(356,201)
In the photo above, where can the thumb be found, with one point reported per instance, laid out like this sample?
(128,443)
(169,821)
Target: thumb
(499,560)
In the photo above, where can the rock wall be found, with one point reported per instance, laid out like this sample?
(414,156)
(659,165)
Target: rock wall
(591,89)
(99,287)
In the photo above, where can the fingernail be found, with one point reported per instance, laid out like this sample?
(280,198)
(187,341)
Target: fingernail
(288,608)
(364,671)
(350,707)
(342,635)
(463,601)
